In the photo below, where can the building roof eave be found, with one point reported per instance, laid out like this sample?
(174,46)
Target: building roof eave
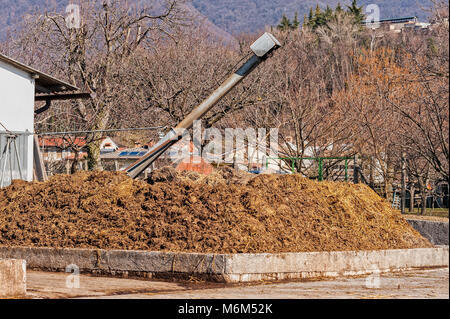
(44,83)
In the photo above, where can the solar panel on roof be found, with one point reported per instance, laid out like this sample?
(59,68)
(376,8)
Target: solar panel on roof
(142,153)
(123,154)
(133,153)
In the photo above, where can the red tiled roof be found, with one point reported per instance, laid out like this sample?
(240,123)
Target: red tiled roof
(61,142)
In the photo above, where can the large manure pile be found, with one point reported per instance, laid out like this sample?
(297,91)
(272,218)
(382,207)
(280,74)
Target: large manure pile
(223,212)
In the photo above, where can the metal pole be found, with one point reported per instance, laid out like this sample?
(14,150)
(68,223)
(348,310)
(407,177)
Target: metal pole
(261,49)
(355,170)
(10,163)
(346,170)
(320,169)
(176,133)
(39,166)
(5,158)
(18,158)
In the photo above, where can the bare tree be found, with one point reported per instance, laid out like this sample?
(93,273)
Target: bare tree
(295,97)
(180,75)
(93,55)
(423,126)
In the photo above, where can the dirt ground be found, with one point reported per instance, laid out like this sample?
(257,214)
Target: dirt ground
(430,218)
(417,284)
(223,212)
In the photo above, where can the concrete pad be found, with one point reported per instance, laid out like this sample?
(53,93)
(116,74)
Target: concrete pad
(43,285)
(12,278)
(231,268)
(421,284)
(416,284)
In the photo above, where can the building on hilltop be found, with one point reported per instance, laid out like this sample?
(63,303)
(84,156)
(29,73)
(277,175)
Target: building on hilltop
(397,25)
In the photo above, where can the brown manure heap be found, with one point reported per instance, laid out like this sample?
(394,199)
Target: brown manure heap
(224,212)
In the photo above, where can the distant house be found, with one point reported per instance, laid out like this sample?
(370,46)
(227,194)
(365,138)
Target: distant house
(20,87)
(175,156)
(63,148)
(108,146)
(122,157)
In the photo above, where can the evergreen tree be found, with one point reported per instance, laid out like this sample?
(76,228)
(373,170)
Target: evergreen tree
(285,23)
(310,22)
(328,13)
(317,12)
(311,15)
(358,16)
(319,18)
(295,23)
(305,21)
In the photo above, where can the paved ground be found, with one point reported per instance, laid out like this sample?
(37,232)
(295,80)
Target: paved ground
(411,284)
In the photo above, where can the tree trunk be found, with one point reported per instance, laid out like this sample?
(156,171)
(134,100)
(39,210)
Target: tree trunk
(411,202)
(94,162)
(422,191)
(74,167)
(372,173)
(389,180)
(424,202)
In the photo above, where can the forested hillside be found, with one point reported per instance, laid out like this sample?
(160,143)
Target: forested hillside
(238,16)
(233,16)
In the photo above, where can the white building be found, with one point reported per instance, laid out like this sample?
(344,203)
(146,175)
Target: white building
(20,87)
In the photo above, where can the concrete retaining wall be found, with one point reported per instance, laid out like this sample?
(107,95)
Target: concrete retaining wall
(122,262)
(229,267)
(435,232)
(254,267)
(12,278)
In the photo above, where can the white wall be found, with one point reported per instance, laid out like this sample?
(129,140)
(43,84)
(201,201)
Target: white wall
(17,106)
(107,140)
